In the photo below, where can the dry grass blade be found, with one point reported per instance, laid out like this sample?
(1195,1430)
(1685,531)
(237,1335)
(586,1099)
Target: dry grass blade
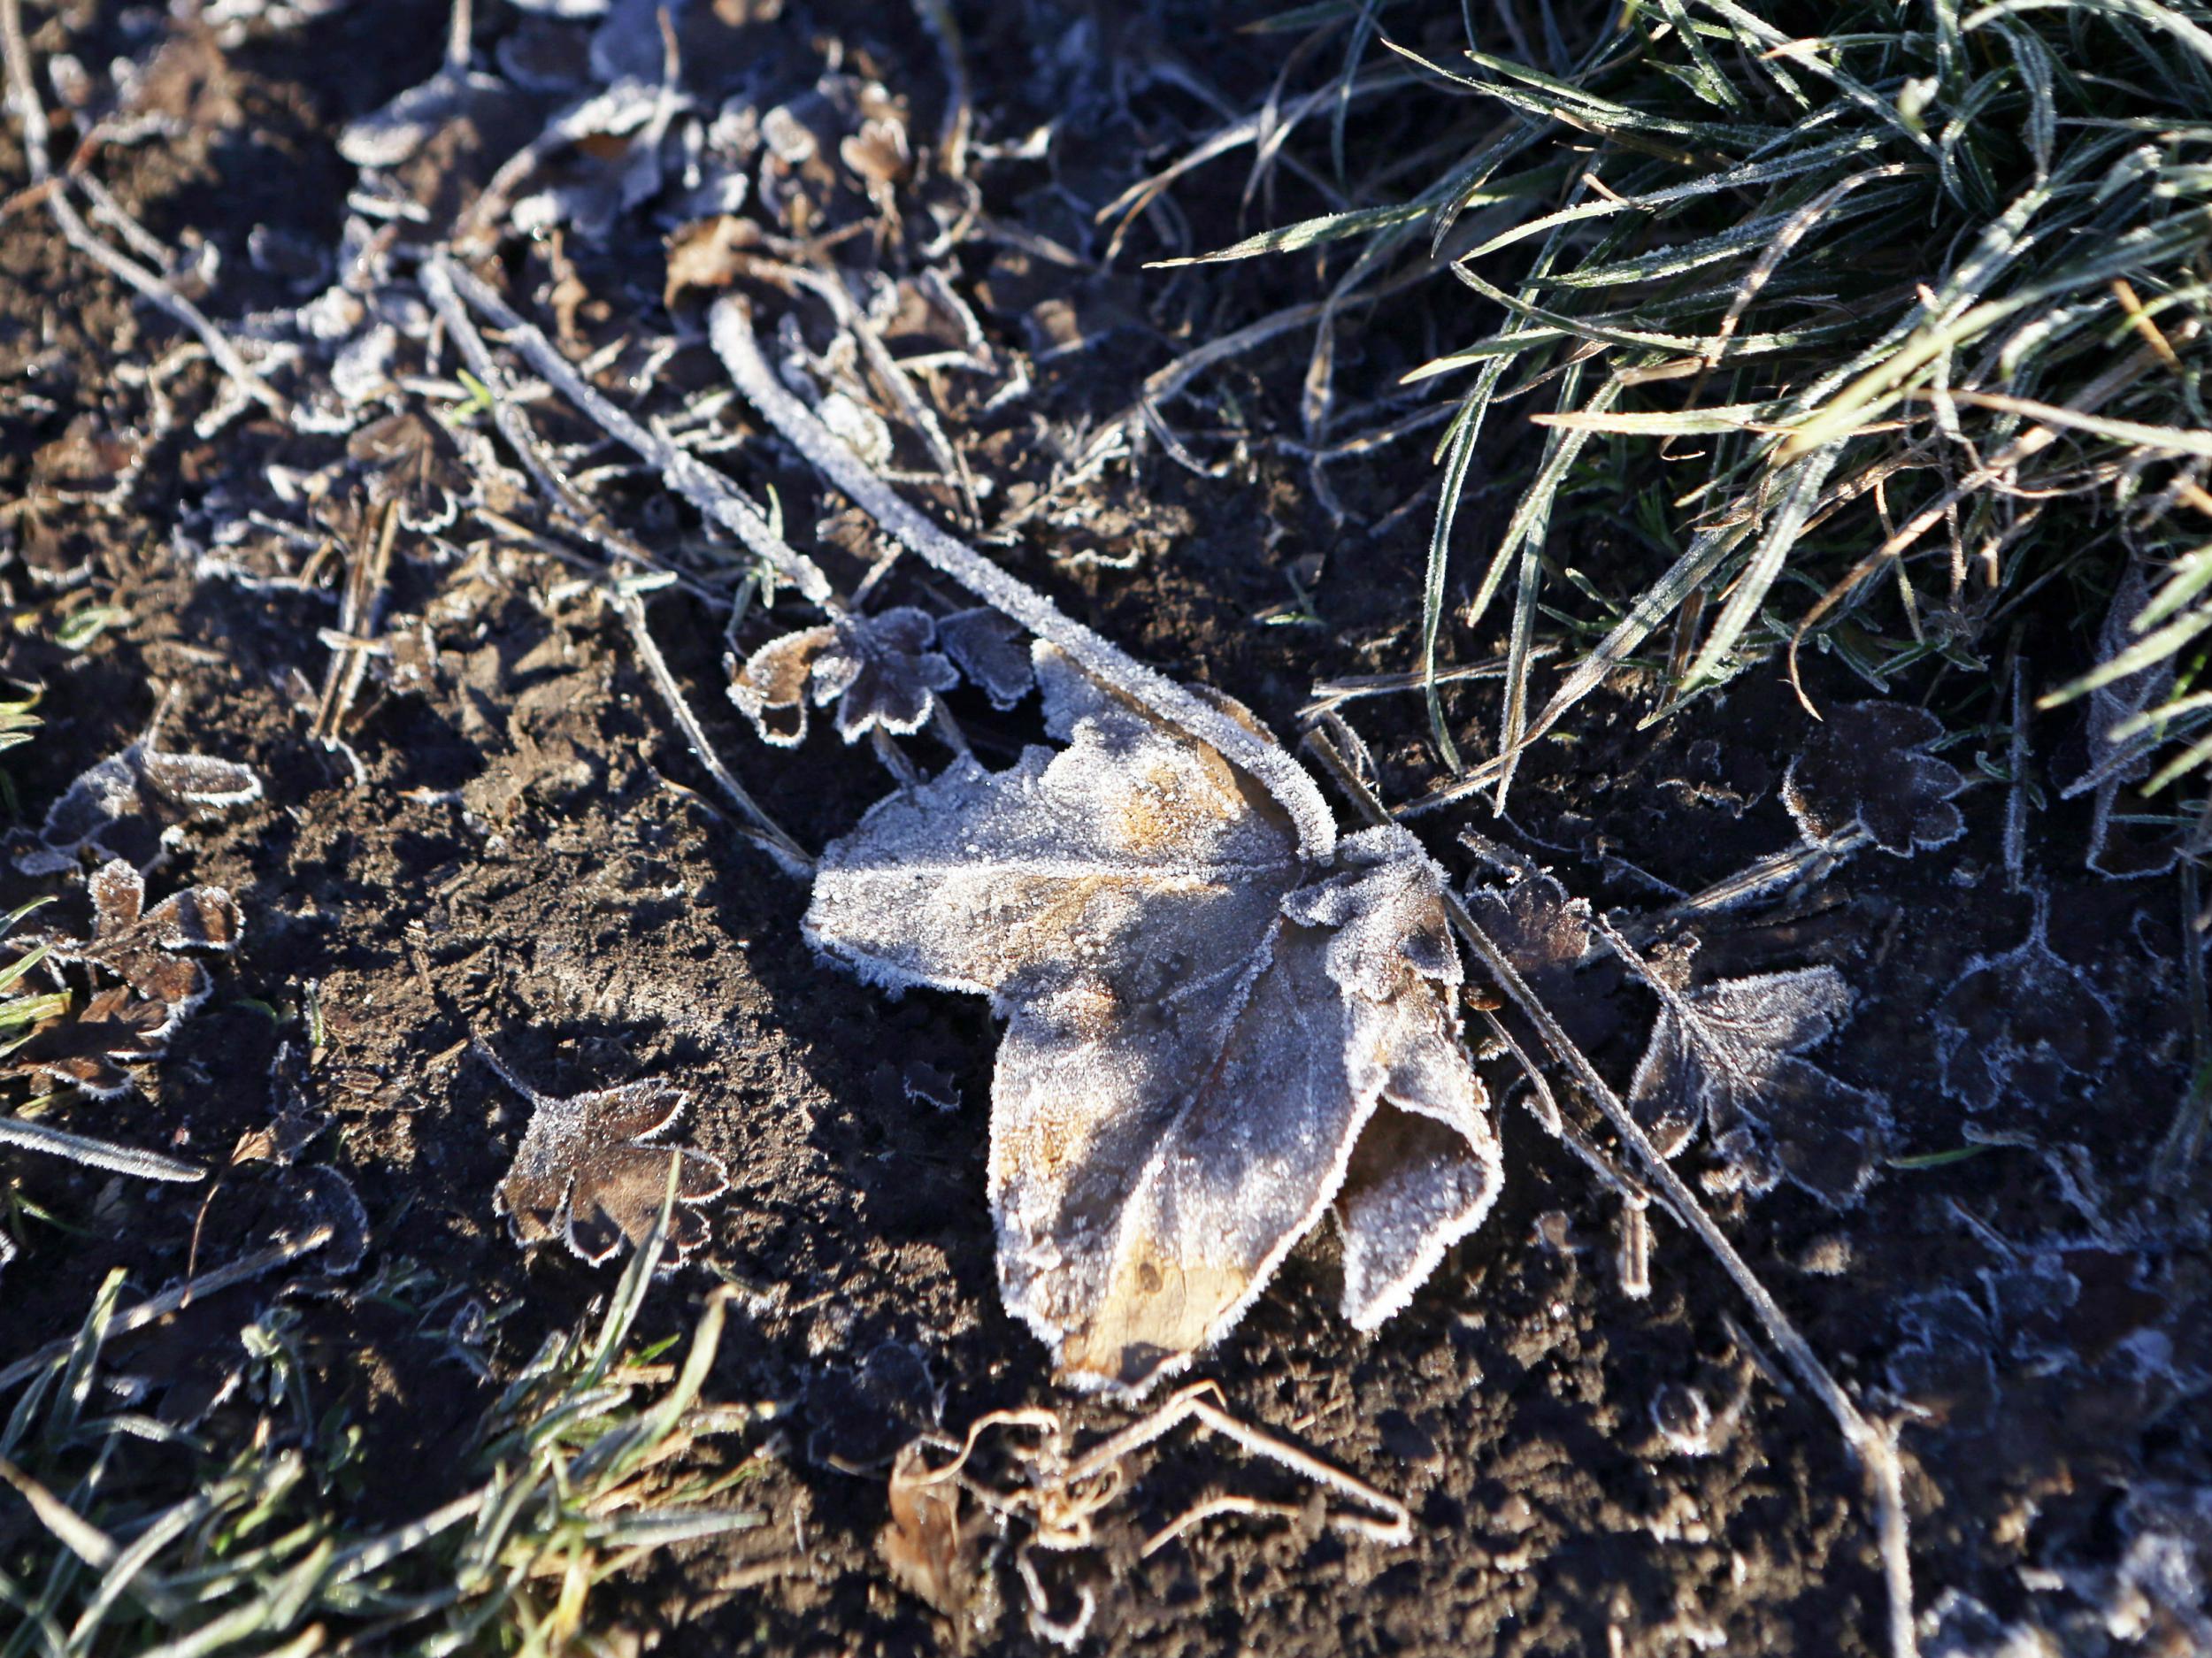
(368,564)
(97,1153)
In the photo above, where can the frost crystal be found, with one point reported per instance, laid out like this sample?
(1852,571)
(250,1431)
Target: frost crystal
(1209,1043)
(1725,1055)
(1868,765)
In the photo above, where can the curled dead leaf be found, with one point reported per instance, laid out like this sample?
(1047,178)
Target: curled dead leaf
(132,804)
(144,948)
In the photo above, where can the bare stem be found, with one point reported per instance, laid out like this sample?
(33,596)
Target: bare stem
(1283,777)
(1871,1444)
(690,477)
(790,856)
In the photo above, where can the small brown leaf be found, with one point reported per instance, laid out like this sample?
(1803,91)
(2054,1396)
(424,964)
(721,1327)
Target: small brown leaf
(587,1172)
(708,254)
(929,1553)
(141,947)
(89,1051)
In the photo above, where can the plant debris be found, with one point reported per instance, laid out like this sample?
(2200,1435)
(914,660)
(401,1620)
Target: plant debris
(145,948)
(880,670)
(1868,767)
(586,1170)
(90,1051)
(1727,1057)
(132,804)
(2014,1027)
(1207,1045)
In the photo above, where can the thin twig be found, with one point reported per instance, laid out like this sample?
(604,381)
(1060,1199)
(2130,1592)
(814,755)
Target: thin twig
(52,189)
(732,330)
(714,496)
(771,836)
(1871,1444)
(357,608)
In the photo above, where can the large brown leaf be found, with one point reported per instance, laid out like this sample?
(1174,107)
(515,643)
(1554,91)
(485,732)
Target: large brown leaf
(1205,1036)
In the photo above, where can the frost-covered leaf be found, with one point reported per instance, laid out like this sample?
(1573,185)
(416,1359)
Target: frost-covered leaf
(586,1170)
(1542,931)
(132,804)
(612,160)
(1725,1056)
(1209,1041)
(988,646)
(880,670)
(2016,1025)
(144,948)
(1868,765)
(316,1197)
(90,1050)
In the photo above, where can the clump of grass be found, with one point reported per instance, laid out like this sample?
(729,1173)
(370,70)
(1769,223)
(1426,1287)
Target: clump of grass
(1887,316)
(577,1477)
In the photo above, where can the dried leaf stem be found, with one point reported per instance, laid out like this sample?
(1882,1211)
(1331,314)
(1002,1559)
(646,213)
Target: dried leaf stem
(690,477)
(732,328)
(1870,1443)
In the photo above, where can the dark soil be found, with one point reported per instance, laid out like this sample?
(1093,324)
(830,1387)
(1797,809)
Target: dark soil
(528,852)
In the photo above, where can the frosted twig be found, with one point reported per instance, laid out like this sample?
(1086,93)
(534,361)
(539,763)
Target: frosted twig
(96,1153)
(732,330)
(79,235)
(1395,1522)
(2177,1154)
(156,1308)
(714,496)
(1870,1443)
(2015,842)
(1228,1502)
(1803,861)
(366,574)
(790,856)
